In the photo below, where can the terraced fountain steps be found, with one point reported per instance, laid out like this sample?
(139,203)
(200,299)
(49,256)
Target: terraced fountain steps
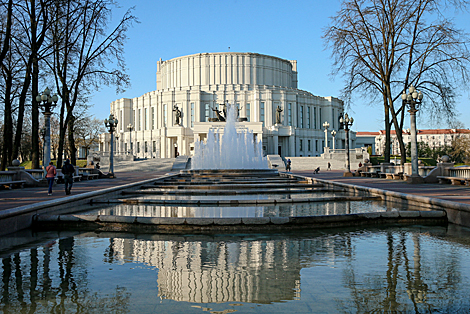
(163,191)
(230,181)
(245,202)
(230,186)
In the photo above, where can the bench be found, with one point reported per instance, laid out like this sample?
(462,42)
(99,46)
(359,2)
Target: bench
(89,176)
(7,179)
(10,184)
(59,178)
(397,176)
(453,180)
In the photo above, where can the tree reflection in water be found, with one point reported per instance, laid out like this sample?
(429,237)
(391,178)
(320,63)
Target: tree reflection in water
(384,271)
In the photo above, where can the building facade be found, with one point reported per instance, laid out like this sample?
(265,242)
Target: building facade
(166,122)
(433,137)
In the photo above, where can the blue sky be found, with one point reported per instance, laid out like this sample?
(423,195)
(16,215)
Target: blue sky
(287,29)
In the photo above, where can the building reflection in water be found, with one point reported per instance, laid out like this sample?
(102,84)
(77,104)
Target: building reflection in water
(299,209)
(378,271)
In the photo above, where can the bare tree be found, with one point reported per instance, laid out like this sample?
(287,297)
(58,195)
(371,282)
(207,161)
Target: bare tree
(85,57)
(384,46)
(87,132)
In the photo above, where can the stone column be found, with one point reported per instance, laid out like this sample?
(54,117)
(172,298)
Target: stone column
(275,143)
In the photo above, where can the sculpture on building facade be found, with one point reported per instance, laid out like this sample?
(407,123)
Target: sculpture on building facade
(220,118)
(177,115)
(278,115)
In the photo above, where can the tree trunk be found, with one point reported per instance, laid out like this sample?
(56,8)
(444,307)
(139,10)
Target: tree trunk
(21,106)
(8,123)
(387,131)
(71,142)
(34,91)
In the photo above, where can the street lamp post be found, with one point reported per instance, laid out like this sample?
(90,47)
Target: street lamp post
(413,100)
(130,127)
(333,133)
(326,125)
(111,124)
(47,102)
(347,122)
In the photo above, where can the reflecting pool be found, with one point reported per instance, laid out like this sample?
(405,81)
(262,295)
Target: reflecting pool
(414,269)
(282,210)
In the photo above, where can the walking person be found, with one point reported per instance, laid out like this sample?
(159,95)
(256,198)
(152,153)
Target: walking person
(288,163)
(68,170)
(51,172)
(329,166)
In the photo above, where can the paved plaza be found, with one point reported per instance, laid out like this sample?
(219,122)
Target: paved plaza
(139,171)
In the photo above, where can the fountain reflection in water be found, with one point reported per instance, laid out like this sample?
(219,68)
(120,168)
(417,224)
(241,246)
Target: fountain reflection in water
(235,148)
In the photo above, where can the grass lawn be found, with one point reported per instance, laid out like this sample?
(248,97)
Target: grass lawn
(27,164)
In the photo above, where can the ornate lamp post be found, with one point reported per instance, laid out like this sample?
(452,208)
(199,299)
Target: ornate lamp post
(326,125)
(333,133)
(47,102)
(130,127)
(111,124)
(43,135)
(413,100)
(347,122)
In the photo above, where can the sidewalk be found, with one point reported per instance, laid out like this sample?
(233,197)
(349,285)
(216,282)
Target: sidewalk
(454,193)
(20,197)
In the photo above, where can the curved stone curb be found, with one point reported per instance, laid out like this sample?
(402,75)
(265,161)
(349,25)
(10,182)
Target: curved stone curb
(457,213)
(176,225)
(18,218)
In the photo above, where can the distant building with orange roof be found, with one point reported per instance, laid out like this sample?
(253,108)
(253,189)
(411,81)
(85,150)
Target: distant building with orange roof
(433,137)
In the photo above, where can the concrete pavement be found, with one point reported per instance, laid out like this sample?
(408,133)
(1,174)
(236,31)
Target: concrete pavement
(454,193)
(141,171)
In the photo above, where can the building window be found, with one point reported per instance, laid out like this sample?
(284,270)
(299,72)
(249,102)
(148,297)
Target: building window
(261,112)
(316,145)
(154,146)
(247,112)
(301,146)
(133,119)
(319,113)
(145,147)
(314,117)
(289,114)
(138,147)
(206,112)
(145,118)
(301,118)
(125,147)
(309,148)
(140,119)
(192,114)
(164,115)
(308,119)
(153,118)
(122,121)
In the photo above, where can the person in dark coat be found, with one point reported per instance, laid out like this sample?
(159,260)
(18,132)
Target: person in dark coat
(68,171)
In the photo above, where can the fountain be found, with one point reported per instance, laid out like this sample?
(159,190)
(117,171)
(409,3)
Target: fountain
(229,148)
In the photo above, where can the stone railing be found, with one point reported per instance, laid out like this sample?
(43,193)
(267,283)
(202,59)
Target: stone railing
(7,176)
(459,172)
(425,170)
(37,174)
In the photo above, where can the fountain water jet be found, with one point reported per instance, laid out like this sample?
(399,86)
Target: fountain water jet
(231,149)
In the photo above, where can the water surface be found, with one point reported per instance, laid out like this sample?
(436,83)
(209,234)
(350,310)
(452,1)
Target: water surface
(405,270)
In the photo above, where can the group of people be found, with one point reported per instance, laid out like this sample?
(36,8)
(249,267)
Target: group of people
(67,170)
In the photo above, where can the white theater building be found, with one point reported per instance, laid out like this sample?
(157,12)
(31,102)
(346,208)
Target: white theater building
(193,86)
